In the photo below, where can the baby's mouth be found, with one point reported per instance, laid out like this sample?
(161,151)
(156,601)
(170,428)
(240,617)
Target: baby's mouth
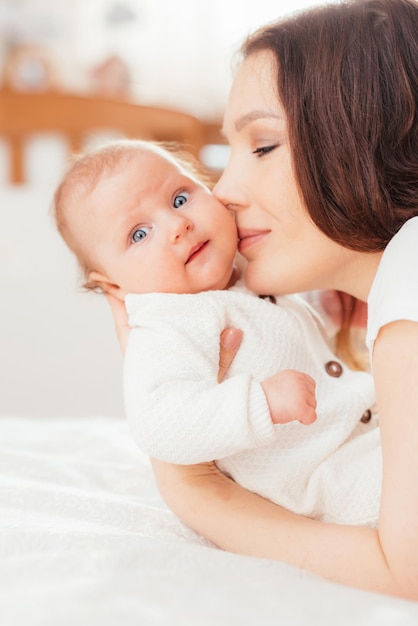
(196,250)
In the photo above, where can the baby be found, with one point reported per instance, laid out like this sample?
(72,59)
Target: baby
(147,230)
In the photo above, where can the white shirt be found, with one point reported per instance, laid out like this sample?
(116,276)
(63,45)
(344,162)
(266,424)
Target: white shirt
(394,292)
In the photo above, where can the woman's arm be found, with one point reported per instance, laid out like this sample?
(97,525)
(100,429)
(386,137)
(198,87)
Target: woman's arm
(383,559)
(395,369)
(240,521)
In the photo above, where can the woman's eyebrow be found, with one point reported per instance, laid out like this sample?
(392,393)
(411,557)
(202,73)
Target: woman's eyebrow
(251,116)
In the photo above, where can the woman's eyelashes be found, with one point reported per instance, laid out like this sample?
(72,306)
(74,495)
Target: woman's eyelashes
(263,150)
(139,234)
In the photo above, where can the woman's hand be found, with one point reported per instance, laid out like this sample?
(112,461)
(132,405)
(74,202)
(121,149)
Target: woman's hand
(120,318)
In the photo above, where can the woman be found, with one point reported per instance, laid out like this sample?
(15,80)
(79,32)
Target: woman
(322,121)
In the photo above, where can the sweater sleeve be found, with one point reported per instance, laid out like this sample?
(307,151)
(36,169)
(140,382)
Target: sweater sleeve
(176,409)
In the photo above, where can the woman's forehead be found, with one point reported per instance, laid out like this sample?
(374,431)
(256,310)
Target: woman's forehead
(254,92)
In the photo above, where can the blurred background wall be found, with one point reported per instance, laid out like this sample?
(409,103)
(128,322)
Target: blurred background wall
(173,52)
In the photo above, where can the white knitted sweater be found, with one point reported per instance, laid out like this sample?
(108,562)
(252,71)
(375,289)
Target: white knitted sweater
(330,470)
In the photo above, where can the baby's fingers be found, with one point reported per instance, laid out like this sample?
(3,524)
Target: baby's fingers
(309,416)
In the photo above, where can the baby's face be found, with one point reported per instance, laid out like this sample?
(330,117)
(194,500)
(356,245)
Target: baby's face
(150,227)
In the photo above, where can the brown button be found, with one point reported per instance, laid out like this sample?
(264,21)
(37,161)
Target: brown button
(366,417)
(333,368)
(271,299)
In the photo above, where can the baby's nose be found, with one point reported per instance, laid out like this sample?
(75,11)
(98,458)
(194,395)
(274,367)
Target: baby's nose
(180,226)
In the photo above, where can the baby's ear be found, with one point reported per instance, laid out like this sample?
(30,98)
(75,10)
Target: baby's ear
(101,282)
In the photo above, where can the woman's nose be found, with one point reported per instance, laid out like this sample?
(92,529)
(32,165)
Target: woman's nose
(230,191)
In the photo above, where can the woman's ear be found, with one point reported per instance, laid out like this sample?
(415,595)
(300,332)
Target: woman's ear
(103,283)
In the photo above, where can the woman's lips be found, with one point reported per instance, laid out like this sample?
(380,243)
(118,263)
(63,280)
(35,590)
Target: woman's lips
(247,238)
(196,250)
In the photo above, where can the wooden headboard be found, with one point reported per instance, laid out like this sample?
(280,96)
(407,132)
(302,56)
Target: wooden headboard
(76,117)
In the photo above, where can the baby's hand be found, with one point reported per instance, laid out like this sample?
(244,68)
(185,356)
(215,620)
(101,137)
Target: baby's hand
(291,396)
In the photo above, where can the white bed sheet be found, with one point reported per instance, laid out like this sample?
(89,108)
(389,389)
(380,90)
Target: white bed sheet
(86,540)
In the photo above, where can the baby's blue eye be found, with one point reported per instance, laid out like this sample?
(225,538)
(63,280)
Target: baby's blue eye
(180,199)
(139,234)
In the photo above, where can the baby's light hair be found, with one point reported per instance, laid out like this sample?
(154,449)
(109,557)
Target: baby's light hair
(89,167)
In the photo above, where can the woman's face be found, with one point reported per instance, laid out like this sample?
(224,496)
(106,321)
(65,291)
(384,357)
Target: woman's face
(286,252)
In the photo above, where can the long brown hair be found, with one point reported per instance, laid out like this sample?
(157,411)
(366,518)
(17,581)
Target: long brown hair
(348,81)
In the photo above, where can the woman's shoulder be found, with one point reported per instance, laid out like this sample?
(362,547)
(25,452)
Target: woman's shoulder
(399,259)
(394,293)
(404,242)
(410,225)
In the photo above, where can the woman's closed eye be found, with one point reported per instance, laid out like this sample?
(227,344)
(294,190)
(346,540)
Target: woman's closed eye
(263,150)
(139,234)
(180,199)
